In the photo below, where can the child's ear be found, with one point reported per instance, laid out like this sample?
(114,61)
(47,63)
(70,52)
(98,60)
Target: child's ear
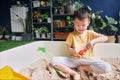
(89,21)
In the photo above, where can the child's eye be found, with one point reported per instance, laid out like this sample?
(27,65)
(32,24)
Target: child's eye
(77,25)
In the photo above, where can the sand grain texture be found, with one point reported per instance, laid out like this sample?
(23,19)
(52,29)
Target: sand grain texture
(42,70)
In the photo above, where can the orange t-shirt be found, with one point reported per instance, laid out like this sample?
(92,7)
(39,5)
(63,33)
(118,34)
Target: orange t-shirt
(79,41)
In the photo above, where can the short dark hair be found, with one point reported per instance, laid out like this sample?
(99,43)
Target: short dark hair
(82,13)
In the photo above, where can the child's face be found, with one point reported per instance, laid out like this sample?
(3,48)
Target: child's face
(81,25)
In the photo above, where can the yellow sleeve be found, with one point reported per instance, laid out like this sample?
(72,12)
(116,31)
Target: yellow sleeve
(95,34)
(69,40)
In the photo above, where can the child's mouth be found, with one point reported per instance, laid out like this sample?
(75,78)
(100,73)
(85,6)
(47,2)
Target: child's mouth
(81,30)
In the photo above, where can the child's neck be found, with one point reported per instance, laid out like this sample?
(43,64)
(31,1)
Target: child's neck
(81,33)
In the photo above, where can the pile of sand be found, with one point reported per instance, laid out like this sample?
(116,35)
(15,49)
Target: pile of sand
(42,70)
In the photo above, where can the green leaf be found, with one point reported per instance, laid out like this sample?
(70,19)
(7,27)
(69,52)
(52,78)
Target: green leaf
(113,28)
(42,49)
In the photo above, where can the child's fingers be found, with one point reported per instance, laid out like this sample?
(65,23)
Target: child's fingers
(88,46)
(82,52)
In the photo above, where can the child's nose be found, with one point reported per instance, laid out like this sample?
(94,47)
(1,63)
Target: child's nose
(80,27)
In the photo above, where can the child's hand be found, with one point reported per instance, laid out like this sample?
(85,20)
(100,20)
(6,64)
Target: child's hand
(76,54)
(82,52)
(90,45)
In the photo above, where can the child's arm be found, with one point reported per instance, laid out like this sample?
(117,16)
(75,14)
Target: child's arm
(72,51)
(92,43)
(96,40)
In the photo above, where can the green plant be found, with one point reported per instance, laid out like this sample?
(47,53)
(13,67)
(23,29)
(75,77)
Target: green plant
(119,29)
(77,4)
(43,30)
(37,15)
(59,3)
(58,22)
(4,29)
(105,25)
(28,22)
(45,16)
(119,24)
(109,26)
(96,21)
(69,20)
(67,30)
(0,30)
